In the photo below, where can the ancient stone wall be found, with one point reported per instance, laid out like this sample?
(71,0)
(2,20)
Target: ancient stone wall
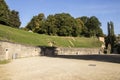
(10,50)
(13,50)
(1,53)
(78,51)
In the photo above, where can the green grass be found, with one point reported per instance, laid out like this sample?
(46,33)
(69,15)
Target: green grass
(4,61)
(28,38)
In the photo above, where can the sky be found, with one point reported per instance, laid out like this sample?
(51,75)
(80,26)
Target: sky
(104,10)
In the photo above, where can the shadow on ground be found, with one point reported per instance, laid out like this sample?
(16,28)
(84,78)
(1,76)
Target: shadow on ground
(51,52)
(104,58)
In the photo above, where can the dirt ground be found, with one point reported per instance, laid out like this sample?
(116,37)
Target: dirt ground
(50,68)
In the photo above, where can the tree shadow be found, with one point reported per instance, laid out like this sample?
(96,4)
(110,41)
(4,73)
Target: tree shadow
(104,58)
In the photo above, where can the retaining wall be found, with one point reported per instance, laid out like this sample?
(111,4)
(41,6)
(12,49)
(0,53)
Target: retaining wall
(78,51)
(10,50)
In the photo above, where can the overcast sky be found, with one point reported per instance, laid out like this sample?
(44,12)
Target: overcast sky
(104,10)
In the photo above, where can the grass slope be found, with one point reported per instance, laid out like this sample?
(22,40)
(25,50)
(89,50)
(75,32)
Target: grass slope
(28,38)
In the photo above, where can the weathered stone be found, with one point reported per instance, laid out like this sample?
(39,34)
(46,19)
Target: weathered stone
(10,50)
(13,50)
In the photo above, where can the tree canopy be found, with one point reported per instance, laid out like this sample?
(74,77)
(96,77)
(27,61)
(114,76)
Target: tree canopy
(63,24)
(111,38)
(91,26)
(8,17)
(36,23)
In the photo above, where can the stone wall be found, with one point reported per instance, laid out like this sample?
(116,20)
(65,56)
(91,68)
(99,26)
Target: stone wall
(1,53)
(10,50)
(78,51)
(53,51)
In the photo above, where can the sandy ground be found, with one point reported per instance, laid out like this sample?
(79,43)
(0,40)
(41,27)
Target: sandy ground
(48,68)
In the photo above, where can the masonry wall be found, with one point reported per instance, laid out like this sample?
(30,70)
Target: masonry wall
(78,51)
(1,53)
(10,50)
(53,51)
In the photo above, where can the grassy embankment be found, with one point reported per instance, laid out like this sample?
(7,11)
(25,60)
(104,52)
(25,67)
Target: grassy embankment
(29,38)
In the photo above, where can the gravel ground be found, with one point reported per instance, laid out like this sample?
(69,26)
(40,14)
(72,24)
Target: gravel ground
(49,68)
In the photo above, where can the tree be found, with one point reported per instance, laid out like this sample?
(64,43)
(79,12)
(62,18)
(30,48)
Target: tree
(7,17)
(85,31)
(36,23)
(67,25)
(110,39)
(4,13)
(77,29)
(112,36)
(50,27)
(84,19)
(93,26)
(14,20)
(64,23)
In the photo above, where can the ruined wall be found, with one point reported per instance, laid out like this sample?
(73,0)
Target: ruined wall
(78,51)
(1,53)
(51,51)
(10,50)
